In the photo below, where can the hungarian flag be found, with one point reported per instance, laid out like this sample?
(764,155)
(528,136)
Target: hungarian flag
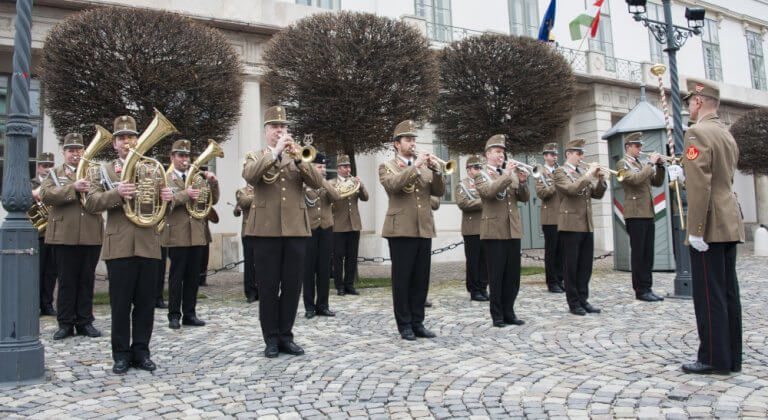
(590,18)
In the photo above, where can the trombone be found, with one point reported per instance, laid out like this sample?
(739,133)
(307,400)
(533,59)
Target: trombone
(620,174)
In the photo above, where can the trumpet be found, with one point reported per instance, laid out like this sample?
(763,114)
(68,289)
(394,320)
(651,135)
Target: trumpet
(620,174)
(305,153)
(532,170)
(668,160)
(446,167)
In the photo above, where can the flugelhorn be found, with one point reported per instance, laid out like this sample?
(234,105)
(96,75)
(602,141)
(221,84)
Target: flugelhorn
(87,166)
(146,208)
(620,174)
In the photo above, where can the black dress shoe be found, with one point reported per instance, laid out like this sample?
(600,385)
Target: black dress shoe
(555,288)
(578,311)
(427,303)
(736,369)
(325,312)
(591,309)
(514,321)
(47,311)
(407,334)
(703,369)
(499,324)
(64,332)
(340,292)
(271,351)
(485,294)
(160,304)
(88,330)
(478,297)
(647,297)
(309,314)
(420,331)
(144,364)
(351,291)
(291,348)
(174,324)
(657,296)
(193,321)
(251,299)
(121,366)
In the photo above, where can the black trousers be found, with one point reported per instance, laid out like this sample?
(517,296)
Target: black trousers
(503,260)
(578,249)
(281,260)
(476,268)
(717,304)
(161,266)
(411,258)
(47,273)
(553,256)
(76,267)
(203,276)
(345,247)
(641,240)
(183,280)
(132,301)
(318,269)
(249,271)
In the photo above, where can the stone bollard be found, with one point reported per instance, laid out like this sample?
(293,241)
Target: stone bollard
(761,241)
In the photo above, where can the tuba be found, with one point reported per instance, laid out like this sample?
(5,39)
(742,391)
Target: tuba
(201,208)
(86,167)
(146,208)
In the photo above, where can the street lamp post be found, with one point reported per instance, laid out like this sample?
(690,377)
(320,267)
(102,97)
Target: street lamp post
(21,353)
(674,37)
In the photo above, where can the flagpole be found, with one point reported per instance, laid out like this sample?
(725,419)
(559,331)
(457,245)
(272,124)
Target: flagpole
(581,44)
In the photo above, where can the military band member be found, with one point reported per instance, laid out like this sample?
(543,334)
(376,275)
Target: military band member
(409,227)
(244,199)
(318,270)
(639,214)
(550,204)
(131,253)
(46,253)
(577,187)
(346,231)
(278,228)
(471,207)
(184,236)
(715,226)
(162,267)
(501,229)
(76,236)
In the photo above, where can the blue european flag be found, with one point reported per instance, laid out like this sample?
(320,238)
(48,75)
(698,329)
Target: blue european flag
(548,22)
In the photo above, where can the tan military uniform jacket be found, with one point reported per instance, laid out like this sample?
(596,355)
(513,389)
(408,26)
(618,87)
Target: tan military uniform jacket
(550,199)
(409,213)
(244,199)
(68,222)
(638,197)
(576,194)
(500,194)
(122,238)
(346,216)
(709,159)
(278,209)
(181,228)
(319,205)
(471,207)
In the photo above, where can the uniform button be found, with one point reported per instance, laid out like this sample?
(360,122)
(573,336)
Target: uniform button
(253,206)
(282,179)
(281,170)
(417,198)
(418,205)
(417,190)
(82,214)
(283,188)
(283,198)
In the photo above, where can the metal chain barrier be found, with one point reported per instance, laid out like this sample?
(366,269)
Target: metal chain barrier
(227,267)
(457,244)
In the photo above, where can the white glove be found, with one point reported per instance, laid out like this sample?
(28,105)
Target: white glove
(698,243)
(676,173)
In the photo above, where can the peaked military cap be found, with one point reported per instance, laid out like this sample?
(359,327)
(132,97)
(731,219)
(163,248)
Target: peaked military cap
(73,140)
(634,138)
(406,128)
(474,160)
(497,140)
(45,157)
(124,124)
(343,160)
(181,146)
(575,144)
(320,158)
(550,148)
(701,87)
(275,115)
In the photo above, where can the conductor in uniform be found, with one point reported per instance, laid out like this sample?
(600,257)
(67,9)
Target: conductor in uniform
(501,186)
(715,228)
(409,180)
(131,253)
(346,231)
(471,207)
(278,228)
(550,205)
(638,179)
(47,258)
(577,187)
(76,236)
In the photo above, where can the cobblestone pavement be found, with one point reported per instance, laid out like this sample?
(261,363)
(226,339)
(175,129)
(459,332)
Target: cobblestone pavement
(622,363)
